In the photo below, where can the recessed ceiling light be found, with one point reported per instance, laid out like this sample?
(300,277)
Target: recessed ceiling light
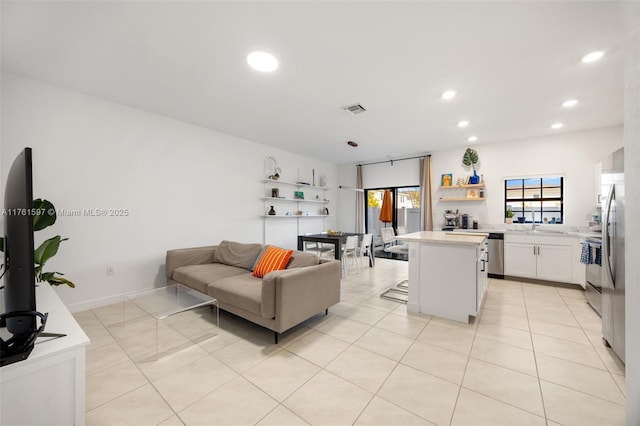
(449,94)
(472,138)
(592,57)
(262,61)
(463,123)
(556,126)
(570,103)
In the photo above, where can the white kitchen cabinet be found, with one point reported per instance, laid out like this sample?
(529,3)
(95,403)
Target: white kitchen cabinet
(554,262)
(520,260)
(538,257)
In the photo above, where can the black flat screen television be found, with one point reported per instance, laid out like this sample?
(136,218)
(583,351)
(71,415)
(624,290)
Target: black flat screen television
(19,278)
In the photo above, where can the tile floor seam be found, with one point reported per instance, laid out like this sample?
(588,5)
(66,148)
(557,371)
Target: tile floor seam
(119,396)
(575,362)
(156,390)
(535,360)
(393,403)
(298,388)
(585,393)
(466,365)
(503,402)
(186,407)
(502,366)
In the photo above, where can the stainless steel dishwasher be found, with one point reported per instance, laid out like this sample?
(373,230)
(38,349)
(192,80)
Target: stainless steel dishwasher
(496,254)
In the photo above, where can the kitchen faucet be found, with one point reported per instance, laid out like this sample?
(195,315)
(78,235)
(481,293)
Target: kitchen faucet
(533,221)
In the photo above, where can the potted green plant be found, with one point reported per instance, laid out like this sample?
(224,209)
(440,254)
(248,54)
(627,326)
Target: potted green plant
(45,216)
(470,158)
(509,216)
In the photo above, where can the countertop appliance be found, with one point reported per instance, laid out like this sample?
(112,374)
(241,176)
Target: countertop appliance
(593,274)
(613,280)
(495,254)
(451,219)
(465,221)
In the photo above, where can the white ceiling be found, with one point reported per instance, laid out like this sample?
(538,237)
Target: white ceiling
(513,64)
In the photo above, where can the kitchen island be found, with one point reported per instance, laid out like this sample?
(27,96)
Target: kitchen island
(447,273)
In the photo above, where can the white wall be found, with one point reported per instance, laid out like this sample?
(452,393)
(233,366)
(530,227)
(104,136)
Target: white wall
(572,155)
(182,185)
(631,14)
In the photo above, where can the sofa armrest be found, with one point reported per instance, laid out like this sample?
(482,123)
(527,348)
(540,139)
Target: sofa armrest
(188,256)
(300,292)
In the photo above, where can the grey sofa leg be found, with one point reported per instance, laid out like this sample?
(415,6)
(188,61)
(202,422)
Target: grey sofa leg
(275,334)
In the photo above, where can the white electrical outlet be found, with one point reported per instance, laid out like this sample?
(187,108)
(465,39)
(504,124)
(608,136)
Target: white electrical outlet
(109,270)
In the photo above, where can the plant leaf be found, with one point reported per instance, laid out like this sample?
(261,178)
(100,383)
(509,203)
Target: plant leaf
(47,250)
(58,280)
(470,157)
(45,214)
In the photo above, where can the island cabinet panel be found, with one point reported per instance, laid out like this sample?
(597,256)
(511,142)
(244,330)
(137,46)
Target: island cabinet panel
(447,280)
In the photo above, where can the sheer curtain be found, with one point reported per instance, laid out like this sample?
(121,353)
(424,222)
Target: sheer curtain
(426,222)
(359,201)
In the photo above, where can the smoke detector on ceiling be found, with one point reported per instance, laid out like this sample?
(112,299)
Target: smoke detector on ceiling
(354,109)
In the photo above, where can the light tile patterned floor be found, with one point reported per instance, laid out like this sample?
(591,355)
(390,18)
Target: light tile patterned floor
(534,357)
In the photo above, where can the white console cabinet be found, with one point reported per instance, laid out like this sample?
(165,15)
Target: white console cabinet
(48,388)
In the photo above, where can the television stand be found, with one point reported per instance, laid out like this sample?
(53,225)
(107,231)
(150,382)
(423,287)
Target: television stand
(59,364)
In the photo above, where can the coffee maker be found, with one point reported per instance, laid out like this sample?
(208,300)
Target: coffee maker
(465,221)
(451,220)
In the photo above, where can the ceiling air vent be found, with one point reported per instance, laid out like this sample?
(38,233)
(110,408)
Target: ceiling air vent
(355,109)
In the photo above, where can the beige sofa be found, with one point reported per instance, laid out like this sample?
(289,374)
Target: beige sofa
(279,301)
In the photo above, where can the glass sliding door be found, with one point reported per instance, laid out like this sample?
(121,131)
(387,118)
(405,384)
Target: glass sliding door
(405,208)
(408,208)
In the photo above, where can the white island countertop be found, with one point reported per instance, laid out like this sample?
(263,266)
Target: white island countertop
(439,237)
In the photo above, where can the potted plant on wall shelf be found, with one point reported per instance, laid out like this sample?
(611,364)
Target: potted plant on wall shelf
(509,216)
(470,158)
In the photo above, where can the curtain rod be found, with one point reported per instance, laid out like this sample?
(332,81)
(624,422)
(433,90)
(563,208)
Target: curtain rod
(392,160)
(350,188)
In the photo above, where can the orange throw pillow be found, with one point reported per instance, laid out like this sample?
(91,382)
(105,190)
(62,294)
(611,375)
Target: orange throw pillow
(273,259)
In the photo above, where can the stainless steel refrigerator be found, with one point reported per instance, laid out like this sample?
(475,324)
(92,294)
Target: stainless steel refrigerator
(613,285)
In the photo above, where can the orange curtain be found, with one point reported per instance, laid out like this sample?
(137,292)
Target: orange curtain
(386,212)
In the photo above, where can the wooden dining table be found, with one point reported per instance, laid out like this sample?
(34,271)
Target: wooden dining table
(337,240)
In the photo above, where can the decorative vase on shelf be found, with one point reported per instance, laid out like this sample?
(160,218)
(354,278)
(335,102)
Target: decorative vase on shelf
(475,179)
(272,212)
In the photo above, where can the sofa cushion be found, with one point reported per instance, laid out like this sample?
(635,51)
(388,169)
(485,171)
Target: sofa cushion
(242,291)
(199,276)
(273,259)
(242,255)
(300,259)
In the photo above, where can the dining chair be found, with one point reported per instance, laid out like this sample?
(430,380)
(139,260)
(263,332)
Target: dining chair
(350,250)
(387,236)
(366,249)
(320,249)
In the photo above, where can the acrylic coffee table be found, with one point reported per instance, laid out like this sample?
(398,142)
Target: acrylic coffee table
(174,299)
